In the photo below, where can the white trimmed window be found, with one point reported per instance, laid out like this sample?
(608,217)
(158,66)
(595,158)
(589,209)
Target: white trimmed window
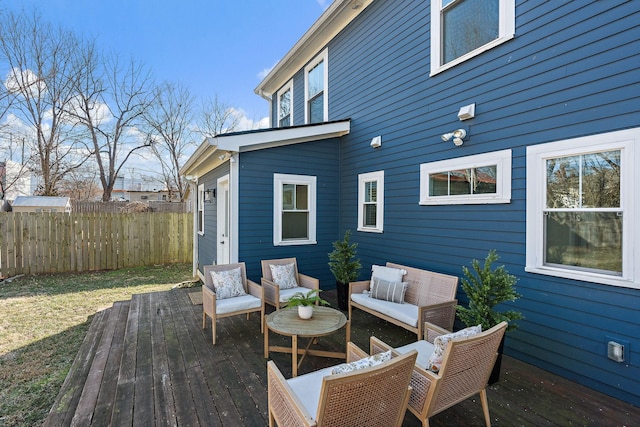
(316,102)
(201,209)
(581,208)
(371,202)
(285,112)
(294,210)
(462,29)
(478,179)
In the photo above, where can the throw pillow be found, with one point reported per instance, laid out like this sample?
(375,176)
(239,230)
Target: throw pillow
(366,362)
(387,273)
(388,291)
(436,358)
(228,283)
(284,275)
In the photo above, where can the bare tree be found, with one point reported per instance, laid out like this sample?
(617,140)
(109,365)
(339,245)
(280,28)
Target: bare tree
(216,118)
(39,87)
(81,184)
(170,119)
(110,104)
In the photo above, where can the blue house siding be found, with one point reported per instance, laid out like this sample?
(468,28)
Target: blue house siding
(571,70)
(207,250)
(318,159)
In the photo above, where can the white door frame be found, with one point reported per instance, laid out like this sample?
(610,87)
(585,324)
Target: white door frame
(223,221)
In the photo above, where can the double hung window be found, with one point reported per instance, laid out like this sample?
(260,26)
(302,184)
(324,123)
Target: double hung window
(294,209)
(201,209)
(285,99)
(316,101)
(371,201)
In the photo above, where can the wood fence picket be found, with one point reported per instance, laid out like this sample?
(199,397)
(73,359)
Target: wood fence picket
(42,243)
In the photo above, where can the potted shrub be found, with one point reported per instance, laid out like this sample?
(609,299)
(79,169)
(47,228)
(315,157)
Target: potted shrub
(344,267)
(305,302)
(485,288)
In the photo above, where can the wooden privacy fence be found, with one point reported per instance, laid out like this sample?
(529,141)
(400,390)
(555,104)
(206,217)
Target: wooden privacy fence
(37,243)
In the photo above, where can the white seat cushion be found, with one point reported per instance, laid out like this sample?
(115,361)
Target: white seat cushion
(244,302)
(406,313)
(285,294)
(307,388)
(424,349)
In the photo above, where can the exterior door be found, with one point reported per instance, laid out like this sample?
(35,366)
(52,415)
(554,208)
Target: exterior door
(223,228)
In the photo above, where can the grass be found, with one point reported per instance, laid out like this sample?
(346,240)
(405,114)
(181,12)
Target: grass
(43,321)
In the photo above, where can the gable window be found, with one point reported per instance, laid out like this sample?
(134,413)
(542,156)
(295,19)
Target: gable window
(294,210)
(315,82)
(462,29)
(285,113)
(371,201)
(201,209)
(580,209)
(478,179)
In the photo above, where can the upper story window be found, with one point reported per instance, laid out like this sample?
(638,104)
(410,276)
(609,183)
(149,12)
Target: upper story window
(371,202)
(315,83)
(580,209)
(201,209)
(294,209)
(285,99)
(478,179)
(462,29)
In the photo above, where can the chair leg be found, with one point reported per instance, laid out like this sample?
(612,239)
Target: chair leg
(485,407)
(213,330)
(204,319)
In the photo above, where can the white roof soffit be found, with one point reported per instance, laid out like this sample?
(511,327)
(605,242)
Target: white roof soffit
(268,138)
(331,22)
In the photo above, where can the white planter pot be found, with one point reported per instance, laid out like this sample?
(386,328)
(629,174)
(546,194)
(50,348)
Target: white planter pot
(305,311)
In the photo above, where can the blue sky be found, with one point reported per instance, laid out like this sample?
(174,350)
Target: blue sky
(218,47)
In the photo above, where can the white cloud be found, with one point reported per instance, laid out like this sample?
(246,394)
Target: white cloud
(247,123)
(262,74)
(324,3)
(18,80)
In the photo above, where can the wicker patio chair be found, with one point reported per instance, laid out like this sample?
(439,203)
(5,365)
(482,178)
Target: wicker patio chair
(218,308)
(465,370)
(273,294)
(373,396)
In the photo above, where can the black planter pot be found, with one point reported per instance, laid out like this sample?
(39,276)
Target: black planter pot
(495,373)
(343,289)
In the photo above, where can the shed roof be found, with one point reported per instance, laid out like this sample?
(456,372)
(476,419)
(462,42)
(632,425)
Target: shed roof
(41,201)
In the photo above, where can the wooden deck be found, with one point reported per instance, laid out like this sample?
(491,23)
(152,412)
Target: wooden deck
(148,362)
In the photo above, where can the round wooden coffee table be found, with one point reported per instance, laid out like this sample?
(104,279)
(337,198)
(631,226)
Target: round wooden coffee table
(286,322)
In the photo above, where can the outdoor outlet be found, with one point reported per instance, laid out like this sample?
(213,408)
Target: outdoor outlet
(615,350)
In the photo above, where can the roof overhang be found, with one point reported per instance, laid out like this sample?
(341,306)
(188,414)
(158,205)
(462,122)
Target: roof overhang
(215,151)
(331,22)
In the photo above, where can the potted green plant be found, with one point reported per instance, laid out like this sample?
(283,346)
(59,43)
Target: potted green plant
(344,266)
(305,302)
(485,288)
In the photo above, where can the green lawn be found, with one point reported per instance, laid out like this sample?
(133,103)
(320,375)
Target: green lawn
(43,320)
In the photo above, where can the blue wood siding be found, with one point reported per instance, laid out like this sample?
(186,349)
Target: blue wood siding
(572,70)
(318,159)
(207,249)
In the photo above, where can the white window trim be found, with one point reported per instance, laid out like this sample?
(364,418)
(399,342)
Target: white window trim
(536,157)
(502,159)
(362,179)
(323,56)
(506,28)
(288,86)
(200,224)
(278,181)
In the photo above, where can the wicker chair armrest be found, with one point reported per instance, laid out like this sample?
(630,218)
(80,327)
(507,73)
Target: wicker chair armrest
(376,345)
(308,281)
(208,300)
(284,404)
(431,331)
(442,314)
(358,287)
(270,291)
(354,352)
(254,289)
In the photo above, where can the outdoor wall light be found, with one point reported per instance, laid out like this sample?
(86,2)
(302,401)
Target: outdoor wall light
(209,195)
(458,135)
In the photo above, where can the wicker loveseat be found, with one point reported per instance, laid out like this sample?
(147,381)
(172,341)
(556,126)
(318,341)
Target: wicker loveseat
(429,297)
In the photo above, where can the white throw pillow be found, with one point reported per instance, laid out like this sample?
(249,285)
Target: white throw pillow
(228,283)
(284,275)
(387,273)
(366,362)
(436,358)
